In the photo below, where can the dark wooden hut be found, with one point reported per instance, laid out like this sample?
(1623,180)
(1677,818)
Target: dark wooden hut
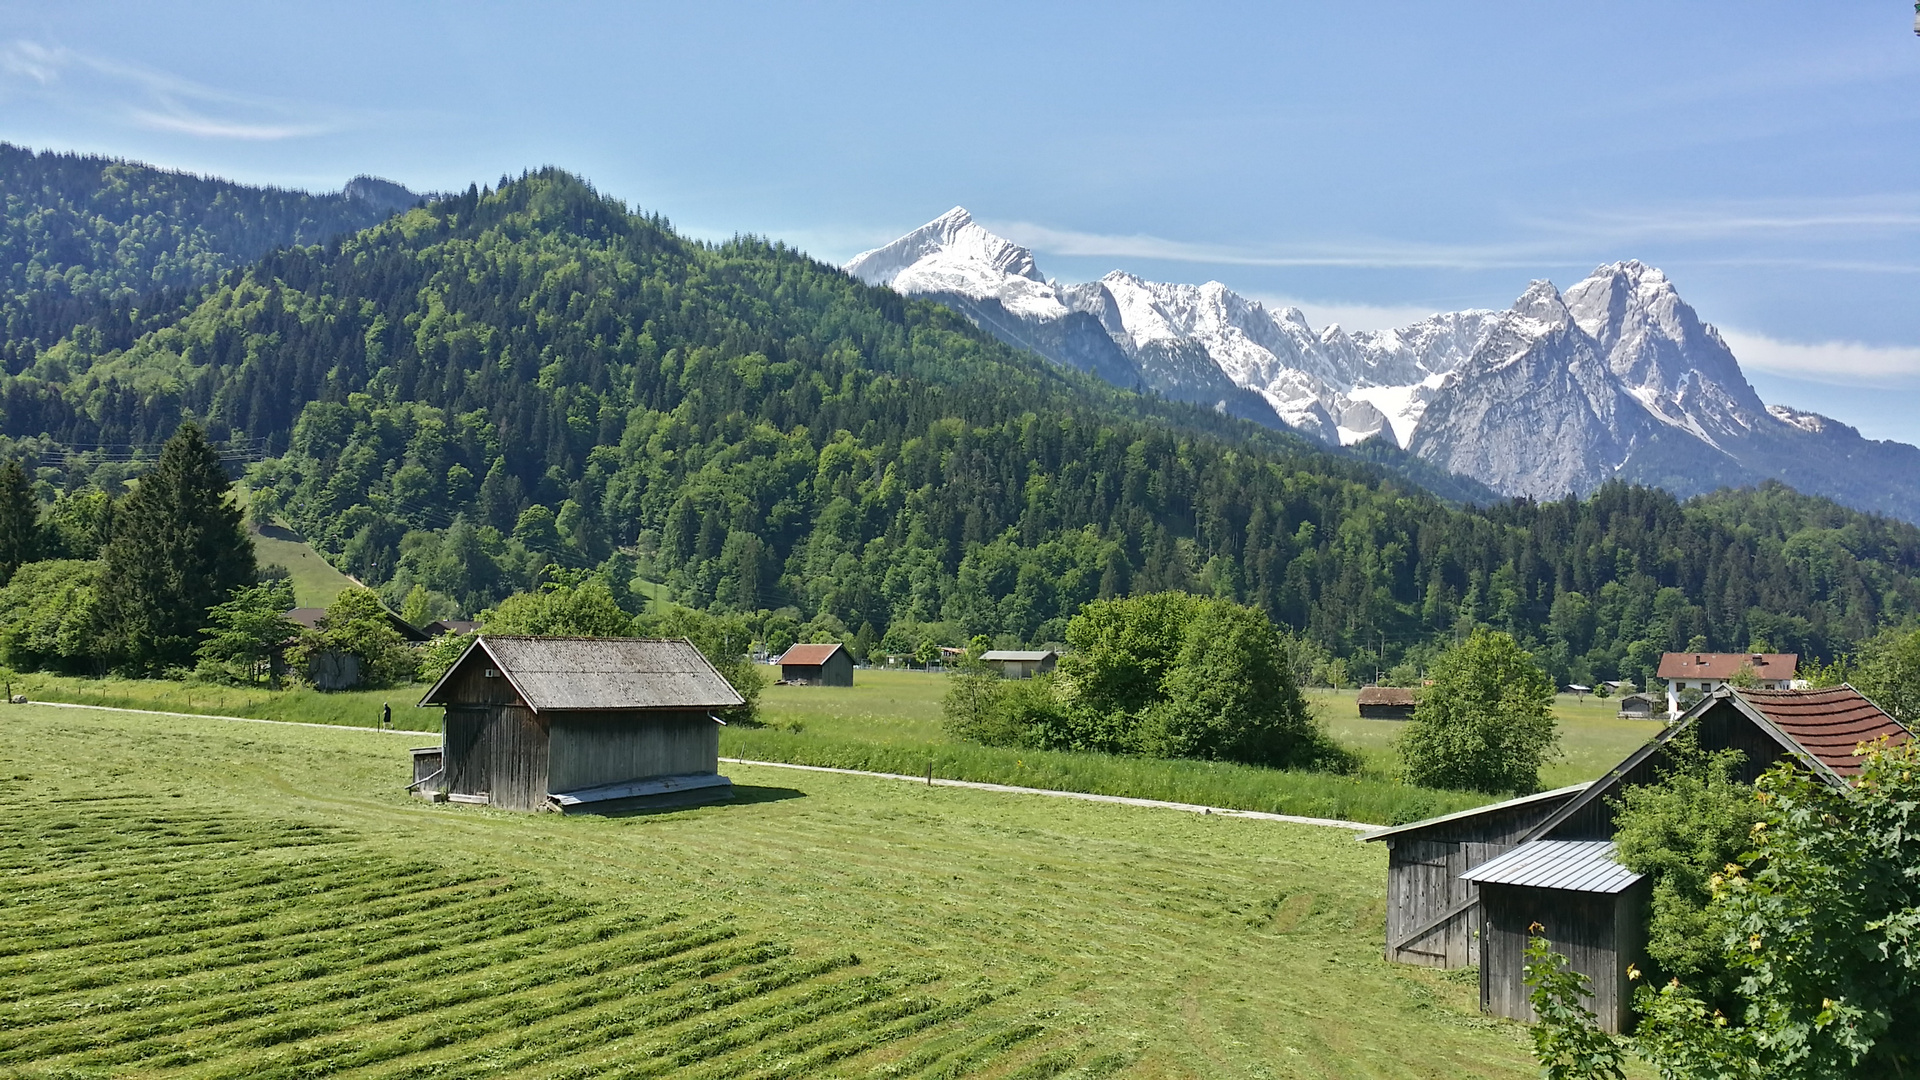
(1386,703)
(1637,707)
(1021,663)
(1592,914)
(580,724)
(816,665)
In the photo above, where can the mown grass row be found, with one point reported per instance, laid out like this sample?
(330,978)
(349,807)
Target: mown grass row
(179,942)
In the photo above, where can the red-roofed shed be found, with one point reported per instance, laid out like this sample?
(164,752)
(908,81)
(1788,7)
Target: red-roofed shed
(816,665)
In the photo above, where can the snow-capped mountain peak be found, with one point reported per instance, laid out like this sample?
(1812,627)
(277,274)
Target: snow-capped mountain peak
(1615,376)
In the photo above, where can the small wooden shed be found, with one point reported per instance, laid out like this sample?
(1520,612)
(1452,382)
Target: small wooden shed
(1021,663)
(1637,707)
(580,725)
(1386,703)
(1589,906)
(816,665)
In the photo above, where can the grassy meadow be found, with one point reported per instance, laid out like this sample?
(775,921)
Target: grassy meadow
(203,898)
(315,580)
(889,721)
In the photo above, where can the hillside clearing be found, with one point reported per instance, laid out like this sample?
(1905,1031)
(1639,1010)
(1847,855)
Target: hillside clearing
(198,898)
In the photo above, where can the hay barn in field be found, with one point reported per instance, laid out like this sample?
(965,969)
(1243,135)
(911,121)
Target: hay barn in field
(1386,703)
(1464,888)
(578,725)
(816,665)
(1021,663)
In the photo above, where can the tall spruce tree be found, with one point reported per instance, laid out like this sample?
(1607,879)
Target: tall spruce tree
(19,520)
(177,550)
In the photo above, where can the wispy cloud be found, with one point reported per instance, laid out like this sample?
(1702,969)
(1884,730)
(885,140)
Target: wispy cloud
(152,99)
(1827,361)
(1363,254)
(1579,243)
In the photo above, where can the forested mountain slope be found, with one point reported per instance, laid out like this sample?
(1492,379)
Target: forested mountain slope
(96,241)
(496,380)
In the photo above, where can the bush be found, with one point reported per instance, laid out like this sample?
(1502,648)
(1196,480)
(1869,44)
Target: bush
(1486,723)
(585,609)
(1165,675)
(48,617)
(438,655)
(357,625)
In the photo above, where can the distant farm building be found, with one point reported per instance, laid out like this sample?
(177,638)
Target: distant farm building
(578,725)
(1386,703)
(1464,888)
(1707,672)
(340,671)
(450,626)
(1020,664)
(1636,707)
(816,665)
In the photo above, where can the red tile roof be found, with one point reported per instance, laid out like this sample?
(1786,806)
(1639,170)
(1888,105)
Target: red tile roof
(1828,724)
(1715,665)
(808,655)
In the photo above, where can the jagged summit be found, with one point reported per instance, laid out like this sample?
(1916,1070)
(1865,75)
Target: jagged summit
(1616,376)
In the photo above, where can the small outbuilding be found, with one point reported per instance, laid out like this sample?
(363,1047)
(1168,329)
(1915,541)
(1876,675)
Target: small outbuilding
(1637,707)
(1021,663)
(816,665)
(1465,888)
(578,725)
(337,670)
(1386,703)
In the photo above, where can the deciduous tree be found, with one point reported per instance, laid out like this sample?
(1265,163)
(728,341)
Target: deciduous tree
(1486,723)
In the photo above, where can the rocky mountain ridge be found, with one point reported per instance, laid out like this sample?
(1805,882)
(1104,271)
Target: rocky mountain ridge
(1617,377)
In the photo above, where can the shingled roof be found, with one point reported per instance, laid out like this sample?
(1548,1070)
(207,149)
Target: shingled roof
(1829,724)
(574,673)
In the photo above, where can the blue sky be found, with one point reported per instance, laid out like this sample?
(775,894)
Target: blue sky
(1370,161)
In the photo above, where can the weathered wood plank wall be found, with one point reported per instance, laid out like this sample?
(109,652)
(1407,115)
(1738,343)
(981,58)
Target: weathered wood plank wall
(590,749)
(1598,933)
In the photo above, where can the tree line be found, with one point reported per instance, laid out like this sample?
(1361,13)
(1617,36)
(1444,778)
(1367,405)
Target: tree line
(531,375)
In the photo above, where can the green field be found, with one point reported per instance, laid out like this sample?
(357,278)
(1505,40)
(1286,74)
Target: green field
(315,581)
(203,898)
(890,722)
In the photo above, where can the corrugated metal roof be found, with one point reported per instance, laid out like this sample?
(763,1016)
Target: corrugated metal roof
(808,655)
(604,673)
(1715,665)
(1030,655)
(1829,724)
(1573,865)
(1562,794)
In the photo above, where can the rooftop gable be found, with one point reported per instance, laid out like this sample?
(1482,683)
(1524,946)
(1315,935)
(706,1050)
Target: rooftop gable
(570,673)
(1828,724)
(1385,695)
(1027,655)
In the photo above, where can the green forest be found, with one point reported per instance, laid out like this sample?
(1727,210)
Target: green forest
(470,391)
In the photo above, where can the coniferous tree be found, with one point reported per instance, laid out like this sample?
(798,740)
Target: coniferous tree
(177,550)
(19,520)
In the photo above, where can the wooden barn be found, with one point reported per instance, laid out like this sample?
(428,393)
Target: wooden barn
(1549,858)
(1020,663)
(1432,912)
(578,725)
(816,665)
(1386,703)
